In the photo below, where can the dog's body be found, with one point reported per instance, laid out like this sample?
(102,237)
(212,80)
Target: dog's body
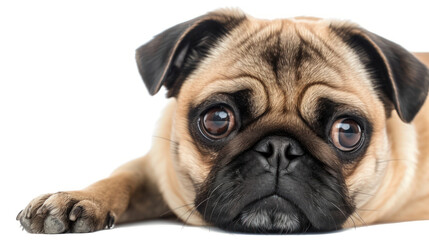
(284,80)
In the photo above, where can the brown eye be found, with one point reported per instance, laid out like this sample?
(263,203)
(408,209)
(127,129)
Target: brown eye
(218,122)
(346,134)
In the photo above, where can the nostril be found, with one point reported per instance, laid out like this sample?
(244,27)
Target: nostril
(294,151)
(266,149)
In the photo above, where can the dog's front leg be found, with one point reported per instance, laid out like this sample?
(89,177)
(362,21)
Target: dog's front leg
(98,206)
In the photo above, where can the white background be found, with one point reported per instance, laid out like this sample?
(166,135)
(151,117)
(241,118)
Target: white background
(73,107)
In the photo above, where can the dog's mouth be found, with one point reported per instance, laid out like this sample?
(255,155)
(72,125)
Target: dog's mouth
(270,214)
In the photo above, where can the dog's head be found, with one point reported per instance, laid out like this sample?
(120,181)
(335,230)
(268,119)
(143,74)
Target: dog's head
(280,124)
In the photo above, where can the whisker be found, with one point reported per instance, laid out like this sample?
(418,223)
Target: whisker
(230,201)
(172,141)
(339,209)
(364,193)
(393,160)
(308,227)
(166,139)
(360,218)
(205,209)
(216,202)
(369,210)
(192,211)
(173,209)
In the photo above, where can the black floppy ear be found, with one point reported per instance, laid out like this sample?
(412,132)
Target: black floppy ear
(398,73)
(173,54)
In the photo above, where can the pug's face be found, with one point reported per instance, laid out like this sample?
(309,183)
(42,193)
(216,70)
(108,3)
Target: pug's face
(279,124)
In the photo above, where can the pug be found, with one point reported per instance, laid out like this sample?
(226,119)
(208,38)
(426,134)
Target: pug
(285,126)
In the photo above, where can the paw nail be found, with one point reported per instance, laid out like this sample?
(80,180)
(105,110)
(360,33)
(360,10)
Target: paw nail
(19,215)
(26,212)
(111,221)
(41,210)
(76,213)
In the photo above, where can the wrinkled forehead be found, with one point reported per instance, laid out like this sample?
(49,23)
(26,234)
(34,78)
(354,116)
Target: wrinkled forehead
(283,64)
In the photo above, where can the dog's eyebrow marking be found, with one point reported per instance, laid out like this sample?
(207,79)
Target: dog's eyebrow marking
(325,90)
(306,87)
(301,98)
(244,81)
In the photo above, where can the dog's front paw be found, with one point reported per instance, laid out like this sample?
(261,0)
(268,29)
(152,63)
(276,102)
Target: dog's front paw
(62,212)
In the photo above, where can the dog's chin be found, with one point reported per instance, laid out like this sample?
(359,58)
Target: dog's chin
(271,214)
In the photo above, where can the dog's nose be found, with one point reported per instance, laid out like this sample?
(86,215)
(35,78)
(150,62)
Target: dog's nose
(279,150)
